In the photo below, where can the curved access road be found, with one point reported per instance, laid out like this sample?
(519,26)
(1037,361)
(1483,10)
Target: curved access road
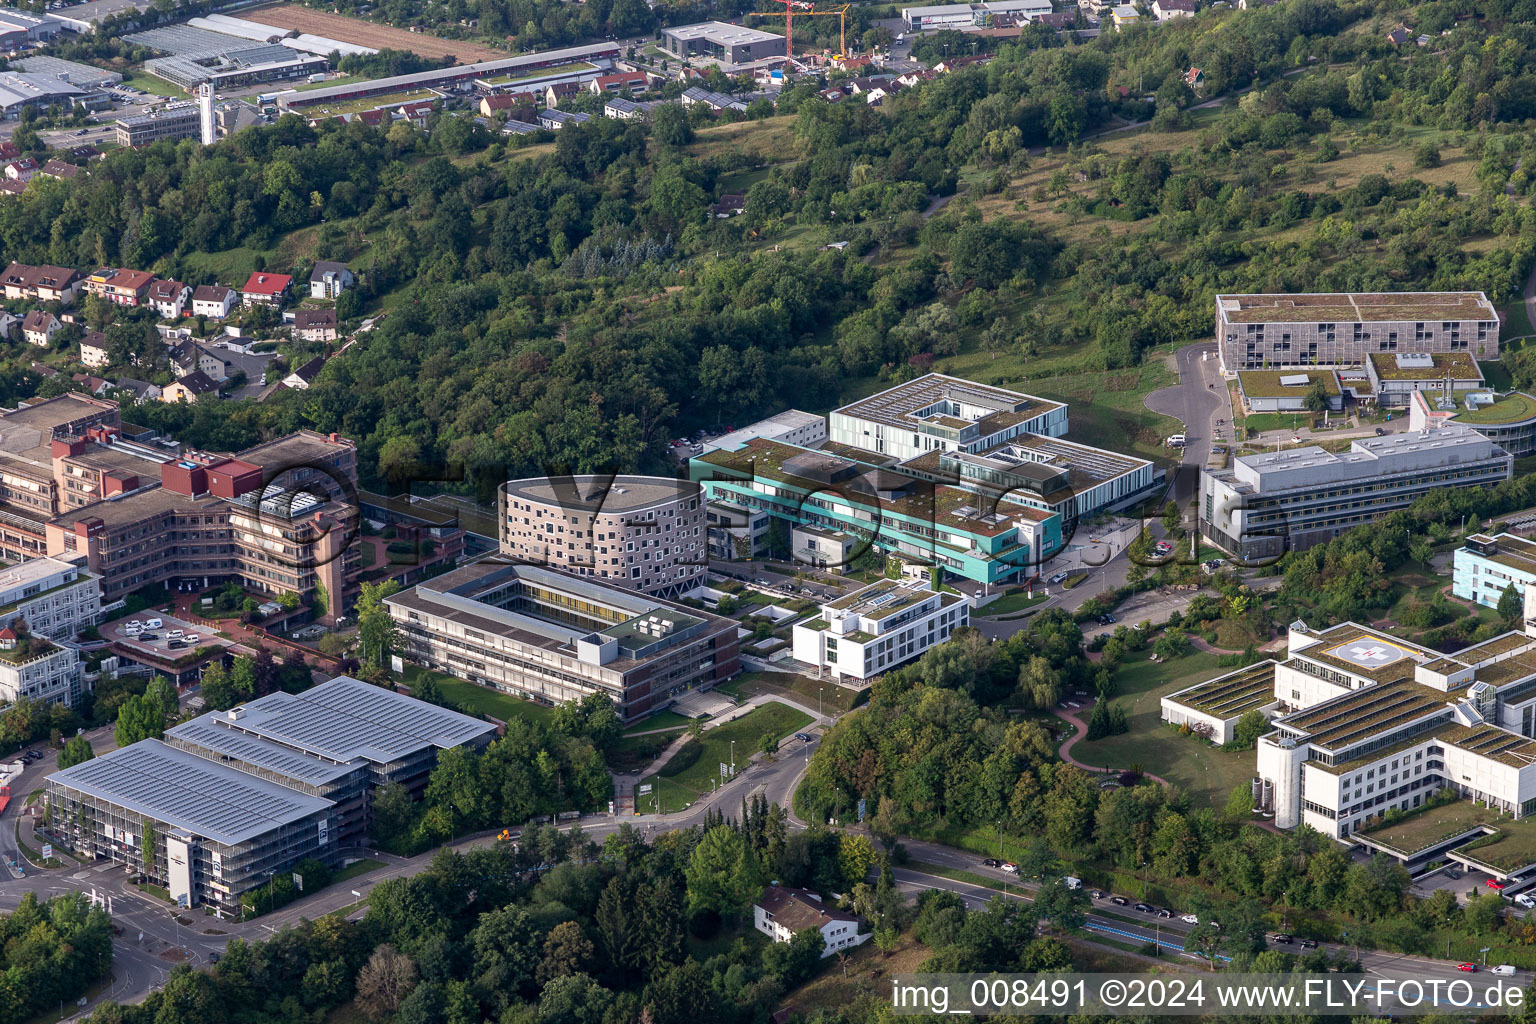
(1198,400)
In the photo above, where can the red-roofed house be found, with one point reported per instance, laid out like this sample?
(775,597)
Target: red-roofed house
(418,113)
(169,297)
(7,639)
(124,287)
(266,289)
(625,83)
(21,170)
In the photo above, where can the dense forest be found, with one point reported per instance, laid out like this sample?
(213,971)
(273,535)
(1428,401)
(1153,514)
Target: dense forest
(572,304)
(50,953)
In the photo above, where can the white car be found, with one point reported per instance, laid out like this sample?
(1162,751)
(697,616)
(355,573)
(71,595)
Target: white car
(174,634)
(1190,919)
(1010,869)
(153,623)
(192,638)
(1526,900)
(1502,969)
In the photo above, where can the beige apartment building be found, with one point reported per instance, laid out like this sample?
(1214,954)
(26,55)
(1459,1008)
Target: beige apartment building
(647,533)
(1255,332)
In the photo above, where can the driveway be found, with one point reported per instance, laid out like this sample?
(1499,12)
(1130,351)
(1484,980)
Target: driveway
(1198,400)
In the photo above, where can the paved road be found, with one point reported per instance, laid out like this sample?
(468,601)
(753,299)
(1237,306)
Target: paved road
(1198,401)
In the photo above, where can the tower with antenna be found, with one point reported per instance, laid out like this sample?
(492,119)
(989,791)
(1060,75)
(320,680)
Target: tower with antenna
(209,132)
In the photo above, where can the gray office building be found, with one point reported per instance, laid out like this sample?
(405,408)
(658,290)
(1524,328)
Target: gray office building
(1264,504)
(730,45)
(231,797)
(1255,332)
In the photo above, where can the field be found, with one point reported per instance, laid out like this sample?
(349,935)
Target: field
(366,33)
(690,783)
(1207,774)
(802,689)
(156,86)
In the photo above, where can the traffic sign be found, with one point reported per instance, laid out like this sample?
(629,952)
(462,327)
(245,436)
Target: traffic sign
(47,851)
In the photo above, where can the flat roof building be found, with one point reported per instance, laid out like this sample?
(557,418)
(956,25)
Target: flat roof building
(1484,567)
(1395,376)
(217,832)
(732,46)
(1280,391)
(938,412)
(967,16)
(1263,504)
(878,627)
(647,533)
(1255,332)
(168,123)
(552,637)
(806,429)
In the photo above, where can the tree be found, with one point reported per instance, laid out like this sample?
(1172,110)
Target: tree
(76,751)
(377,636)
(670,125)
(385,981)
(1511,605)
(722,874)
(1316,399)
(1248,729)
(567,950)
(141,717)
(855,856)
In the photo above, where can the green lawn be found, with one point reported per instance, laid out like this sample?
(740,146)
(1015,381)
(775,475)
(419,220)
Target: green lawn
(343,80)
(351,871)
(1207,774)
(1009,603)
(1279,421)
(158,86)
(1510,849)
(1109,407)
(677,791)
(1497,374)
(1426,828)
(803,689)
(660,720)
(481,700)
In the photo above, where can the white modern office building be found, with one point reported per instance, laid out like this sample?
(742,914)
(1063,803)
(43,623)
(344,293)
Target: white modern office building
(1367,723)
(1263,504)
(805,429)
(965,16)
(935,412)
(53,597)
(878,627)
(1486,566)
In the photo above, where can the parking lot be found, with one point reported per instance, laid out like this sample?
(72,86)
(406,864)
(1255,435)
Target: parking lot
(1462,882)
(161,635)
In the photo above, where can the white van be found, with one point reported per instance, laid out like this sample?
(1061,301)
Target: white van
(1175,441)
(153,623)
(1072,883)
(1504,969)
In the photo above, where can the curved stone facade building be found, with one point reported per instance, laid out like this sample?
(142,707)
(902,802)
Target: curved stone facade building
(643,532)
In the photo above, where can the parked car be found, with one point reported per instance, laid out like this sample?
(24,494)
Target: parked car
(1494,883)
(146,637)
(192,638)
(1526,900)
(1469,968)
(1010,869)
(1281,939)
(1096,894)
(1503,969)
(153,623)
(1120,901)
(803,737)
(1308,943)
(1060,576)
(1143,908)
(1107,619)
(991,862)
(1165,913)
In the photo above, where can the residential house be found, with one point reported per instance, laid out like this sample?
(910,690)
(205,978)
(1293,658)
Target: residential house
(505,105)
(22,170)
(45,284)
(59,169)
(169,297)
(93,350)
(1399,36)
(189,357)
(719,102)
(10,323)
(418,113)
(782,911)
(1124,16)
(833,95)
(85,152)
(189,388)
(555,119)
(329,280)
(9,150)
(624,83)
(1194,78)
(315,325)
(142,390)
(95,385)
(12,187)
(40,327)
(557,91)
(119,286)
(266,289)
(729,205)
(213,300)
(515,127)
(621,109)
(1167,10)
(304,376)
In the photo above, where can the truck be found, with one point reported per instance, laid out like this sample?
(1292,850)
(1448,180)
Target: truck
(1072,883)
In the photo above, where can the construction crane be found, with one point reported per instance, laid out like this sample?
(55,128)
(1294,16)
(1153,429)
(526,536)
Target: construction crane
(806,10)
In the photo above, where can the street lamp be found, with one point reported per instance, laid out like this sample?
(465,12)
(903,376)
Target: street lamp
(733,757)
